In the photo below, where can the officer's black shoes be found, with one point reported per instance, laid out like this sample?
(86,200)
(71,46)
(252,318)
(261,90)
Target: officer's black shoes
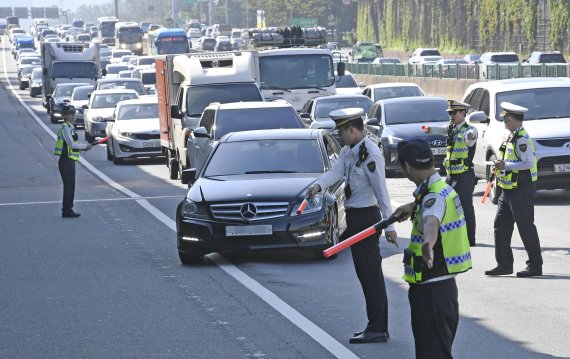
(71,214)
(369,337)
(530,272)
(499,271)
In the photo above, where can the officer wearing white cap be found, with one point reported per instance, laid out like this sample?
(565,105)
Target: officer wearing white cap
(461,144)
(67,148)
(516,174)
(362,165)
(438,251)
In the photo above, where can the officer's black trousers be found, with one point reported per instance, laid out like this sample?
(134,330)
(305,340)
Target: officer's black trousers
(465,184)
(517,206)
(368,264)
(435,315)
(67,171)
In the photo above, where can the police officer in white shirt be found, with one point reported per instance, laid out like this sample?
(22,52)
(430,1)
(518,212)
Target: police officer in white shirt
(361,163)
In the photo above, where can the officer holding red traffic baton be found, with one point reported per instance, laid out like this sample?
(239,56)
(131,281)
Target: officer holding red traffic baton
(438,251)
(361,163)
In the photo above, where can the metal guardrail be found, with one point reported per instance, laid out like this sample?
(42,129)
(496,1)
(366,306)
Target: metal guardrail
(460,71)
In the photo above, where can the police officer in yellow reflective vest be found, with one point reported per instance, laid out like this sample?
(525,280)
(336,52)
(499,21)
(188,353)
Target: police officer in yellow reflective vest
(67,148)
(461,144)
(516,172)
(438,251)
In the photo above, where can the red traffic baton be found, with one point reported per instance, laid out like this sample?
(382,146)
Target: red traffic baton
(377,228)
(100,141)
(304,204)
(489,184)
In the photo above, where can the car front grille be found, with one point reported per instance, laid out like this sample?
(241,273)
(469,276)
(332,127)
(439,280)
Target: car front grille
(126,148)
(556,142)
(263,210)
(547,163)
(146,136)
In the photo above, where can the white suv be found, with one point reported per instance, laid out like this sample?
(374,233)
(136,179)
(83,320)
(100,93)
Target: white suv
(547,122)
(504,60)
(421,55)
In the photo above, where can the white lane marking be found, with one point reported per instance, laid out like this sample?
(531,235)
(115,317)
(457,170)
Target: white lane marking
(84,200)
(311,329)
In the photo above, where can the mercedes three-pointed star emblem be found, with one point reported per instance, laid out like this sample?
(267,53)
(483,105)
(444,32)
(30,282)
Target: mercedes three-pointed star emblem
(248,211)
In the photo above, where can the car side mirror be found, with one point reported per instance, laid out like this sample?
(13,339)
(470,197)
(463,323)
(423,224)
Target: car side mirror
(305,115)
(189,176)
(85,107)
(478,117)
(361,84)
(175,112)
(201,132)
(340,68)
(373,121)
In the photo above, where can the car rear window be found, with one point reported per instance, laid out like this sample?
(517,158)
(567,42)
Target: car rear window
(505,58)
(416,112)
(256,119)
(552,58)
(395,92)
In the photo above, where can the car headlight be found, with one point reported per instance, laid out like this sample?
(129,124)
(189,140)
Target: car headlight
(139,45)
(193,209)
(315,205)
(123,46)
(128,135)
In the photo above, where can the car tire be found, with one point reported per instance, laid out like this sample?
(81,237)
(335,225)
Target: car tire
(172,165)
(22,87)
(32,95)
(182,168)
(109,154)
(495,192)
(117,160)
(88,137)
(192,258)
(52,118)
(333,233)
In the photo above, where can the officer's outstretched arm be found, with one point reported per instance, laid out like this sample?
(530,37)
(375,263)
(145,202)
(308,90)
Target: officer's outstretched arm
(431,229)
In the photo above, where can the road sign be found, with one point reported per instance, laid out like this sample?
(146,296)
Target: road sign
(5,11)
(52,12)
(305,21)
(37,12)
(21,12)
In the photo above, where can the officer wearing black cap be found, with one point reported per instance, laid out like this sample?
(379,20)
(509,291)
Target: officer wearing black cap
(461,144)
(362,165)
(438,250)
(67,148)
(516,173)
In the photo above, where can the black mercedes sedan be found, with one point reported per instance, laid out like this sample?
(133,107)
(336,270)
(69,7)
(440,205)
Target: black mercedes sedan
(247,194)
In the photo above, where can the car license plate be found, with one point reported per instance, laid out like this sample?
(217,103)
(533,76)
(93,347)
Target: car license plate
(258,230)
(151,144)
(438,150)
(562,167)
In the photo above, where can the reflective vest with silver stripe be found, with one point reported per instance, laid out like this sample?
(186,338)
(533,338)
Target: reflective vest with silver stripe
(459,155)
(509,179)
(59,144)
(452,237)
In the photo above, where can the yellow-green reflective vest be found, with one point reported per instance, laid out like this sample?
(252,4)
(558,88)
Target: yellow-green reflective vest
(459,156)
(509,179)
(71,153)
(453,246)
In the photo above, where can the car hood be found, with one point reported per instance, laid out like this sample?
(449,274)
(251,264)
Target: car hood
(103,112)
(349,91)
(255,187)
(147,125)
(323,122)
(79,103)
(548,128)
(410,130)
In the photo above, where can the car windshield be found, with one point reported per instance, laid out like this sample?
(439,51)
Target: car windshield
(542,103)
(138,111)
(72,70)
(177,45)
(105,53)
(345,82)
(145,61)
(430,53)
(148,78)
(415,112)
(394,92)
(36,75)
(111,99)
(256,119)
(505,58)
(81,93)
(119,54)
(130,35)
(29,60)
(65,90)
(116,68)
(27,70)
(552,59)
(121,84)
(325,106)
(201,96)
(235,158)
(296,71)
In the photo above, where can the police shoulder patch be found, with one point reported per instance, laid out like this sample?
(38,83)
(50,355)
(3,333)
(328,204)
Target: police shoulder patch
(430,202)
(371,166)
(523,147)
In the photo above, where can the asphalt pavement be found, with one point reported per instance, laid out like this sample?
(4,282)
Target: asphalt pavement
(109,284)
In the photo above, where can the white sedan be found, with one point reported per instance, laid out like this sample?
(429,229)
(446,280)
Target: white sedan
(134,130)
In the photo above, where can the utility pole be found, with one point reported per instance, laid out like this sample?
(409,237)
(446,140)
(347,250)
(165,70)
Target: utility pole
(227,15)
(117,9)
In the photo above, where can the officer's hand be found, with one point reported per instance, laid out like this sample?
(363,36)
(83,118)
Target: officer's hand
(404,212)
(500,165)
(314,190)
(392,237)
(426,129)
(427,254)
(89,146)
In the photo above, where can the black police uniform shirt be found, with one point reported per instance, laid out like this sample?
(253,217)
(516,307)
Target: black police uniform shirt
(366,177)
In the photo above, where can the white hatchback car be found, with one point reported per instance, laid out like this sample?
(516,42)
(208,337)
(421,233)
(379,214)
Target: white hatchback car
(134,130)
(100,110)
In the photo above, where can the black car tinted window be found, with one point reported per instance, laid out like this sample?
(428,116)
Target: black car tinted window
(199,97)
(414,112)
(256,119)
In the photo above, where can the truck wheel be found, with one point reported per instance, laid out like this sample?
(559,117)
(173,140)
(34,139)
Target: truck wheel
(172,165)
(180,169)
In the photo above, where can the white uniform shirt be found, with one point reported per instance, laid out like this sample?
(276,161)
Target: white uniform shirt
(367,181)
(68,133)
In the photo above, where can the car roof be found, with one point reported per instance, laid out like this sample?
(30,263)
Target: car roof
(522,84)
(324,98)
(251,104)
(113,91)
(393,84)
(413,99)
(146,70)
(83,87)
(142,100)
(72,83)
(116,79)
(274,134)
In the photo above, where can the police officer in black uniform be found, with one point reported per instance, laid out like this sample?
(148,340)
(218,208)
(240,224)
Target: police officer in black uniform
(516,174)
(361,163)
(67,148)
